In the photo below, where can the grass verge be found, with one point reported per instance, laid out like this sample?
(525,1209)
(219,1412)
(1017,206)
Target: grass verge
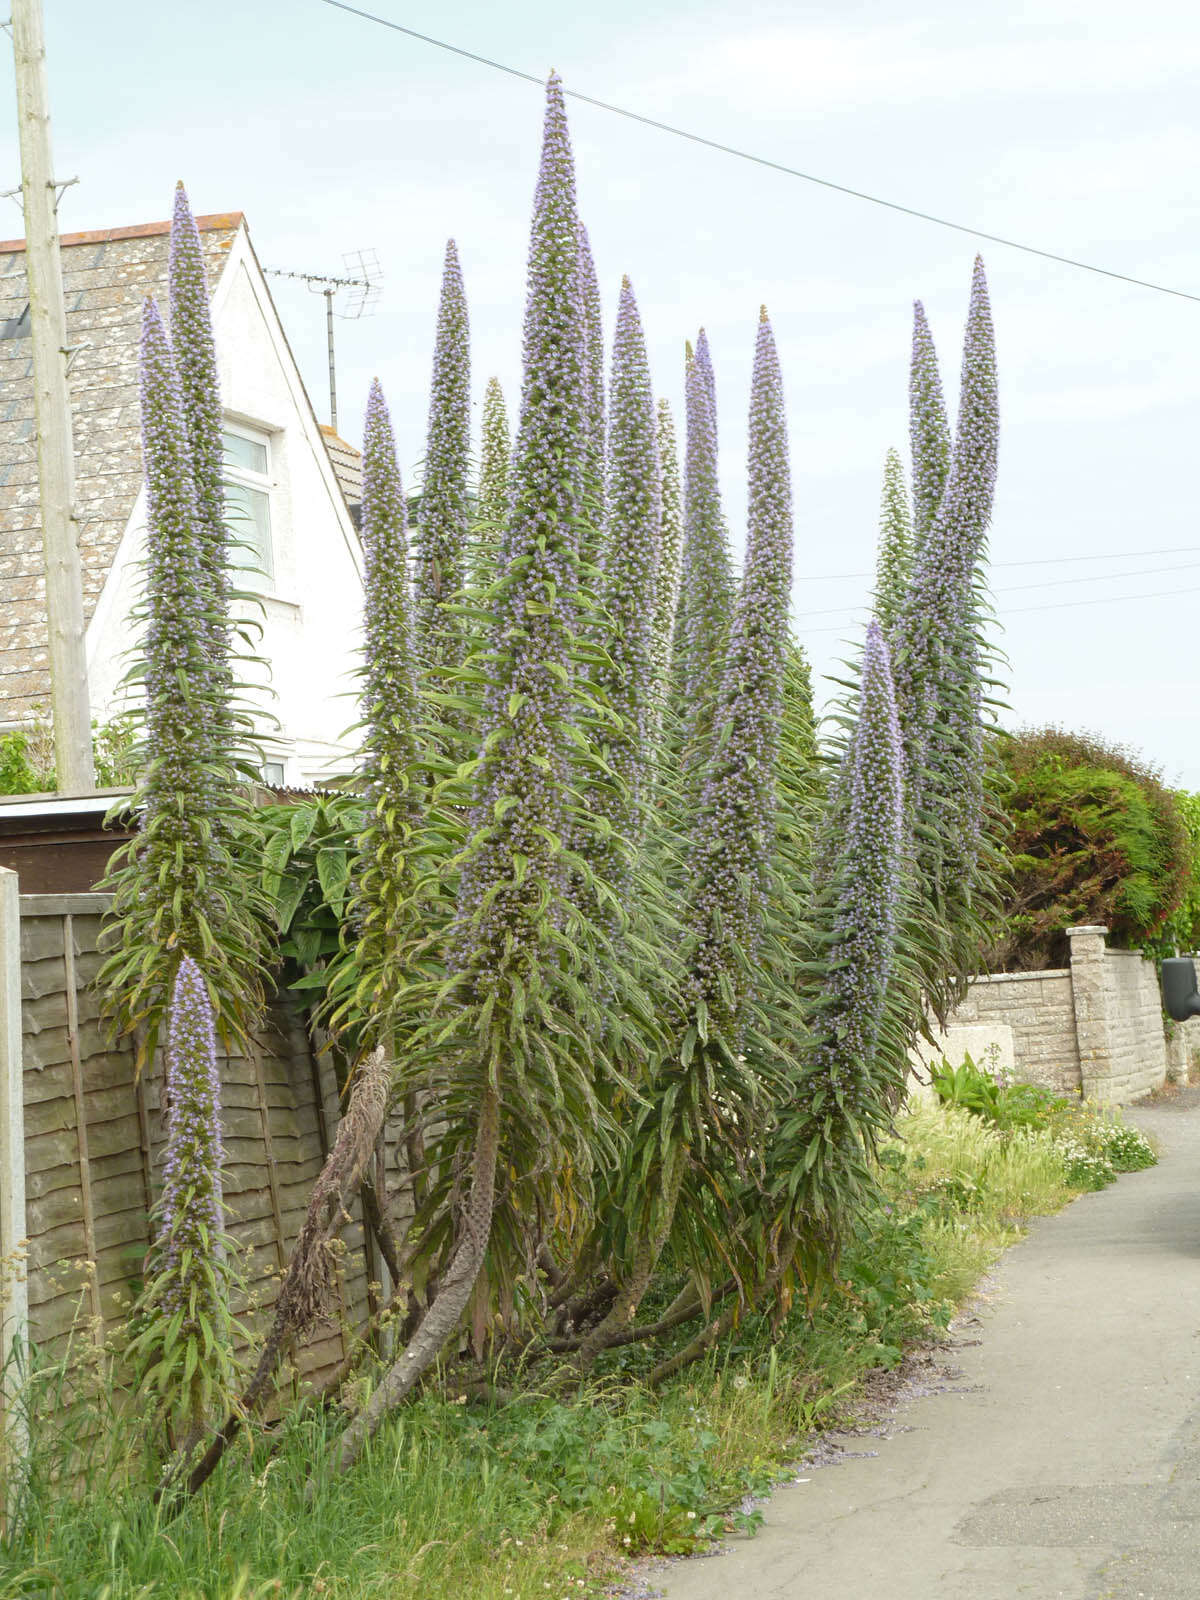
(544,1497)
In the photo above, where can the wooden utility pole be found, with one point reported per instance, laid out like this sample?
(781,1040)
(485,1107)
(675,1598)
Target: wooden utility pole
(56,450)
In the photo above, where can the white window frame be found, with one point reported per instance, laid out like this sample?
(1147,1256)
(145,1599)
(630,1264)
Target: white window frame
(263,483)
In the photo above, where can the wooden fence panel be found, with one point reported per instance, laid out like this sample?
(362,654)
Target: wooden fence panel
(94,1140)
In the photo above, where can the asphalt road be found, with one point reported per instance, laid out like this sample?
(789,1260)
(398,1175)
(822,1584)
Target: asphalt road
(1064,1462)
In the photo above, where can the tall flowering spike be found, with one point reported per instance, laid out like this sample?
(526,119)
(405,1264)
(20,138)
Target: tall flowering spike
(187,1364)
(382,877)
(936,636)
(196,367)
(495,450)
(389,699)
(631,544)
(866,887)
(670,556)
(702,357)
(593,312)
(441,542)
(707,605)
(736,833)
(929,430)
(893,569)
(521,813)
(178,851)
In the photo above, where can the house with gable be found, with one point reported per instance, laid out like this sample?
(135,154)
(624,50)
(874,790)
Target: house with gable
(293,489)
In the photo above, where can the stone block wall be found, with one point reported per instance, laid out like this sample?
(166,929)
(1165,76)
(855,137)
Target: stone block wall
(1094,1028)
(1039,1008)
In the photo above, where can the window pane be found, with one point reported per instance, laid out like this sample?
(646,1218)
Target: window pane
(245,453)
(248,519)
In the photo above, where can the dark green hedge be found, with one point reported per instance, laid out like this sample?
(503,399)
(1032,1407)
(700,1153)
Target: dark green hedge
(1096,838)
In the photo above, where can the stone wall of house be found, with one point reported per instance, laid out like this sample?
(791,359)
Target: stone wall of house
(1094,1028)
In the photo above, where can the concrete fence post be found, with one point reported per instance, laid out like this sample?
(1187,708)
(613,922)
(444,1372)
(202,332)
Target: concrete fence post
(14,1305)
(1093,1020)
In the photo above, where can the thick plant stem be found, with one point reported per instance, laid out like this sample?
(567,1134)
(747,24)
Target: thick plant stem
(451,1299)
(303,1290)
(646,1257)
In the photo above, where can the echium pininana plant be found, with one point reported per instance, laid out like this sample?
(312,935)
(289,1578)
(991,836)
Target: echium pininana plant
(383,879)
(865,889)
(181,1326)
(939,655)
(936,646)
(928,428)
(440,545)
(180,891)
(704,1093)
(631,556)
(735,834)
(196,366)
(494,451)
(595,413)
(510,940)
(670,557)
(893,568)
(706,603)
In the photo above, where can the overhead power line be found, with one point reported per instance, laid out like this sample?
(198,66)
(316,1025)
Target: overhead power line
(1053,605)
(1044,583)
(1033,561)
(761,161)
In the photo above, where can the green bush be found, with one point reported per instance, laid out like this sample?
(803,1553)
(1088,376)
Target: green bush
(1182,930)
(1095,838)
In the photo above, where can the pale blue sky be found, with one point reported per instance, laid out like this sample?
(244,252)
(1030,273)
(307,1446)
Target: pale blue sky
(1069,124)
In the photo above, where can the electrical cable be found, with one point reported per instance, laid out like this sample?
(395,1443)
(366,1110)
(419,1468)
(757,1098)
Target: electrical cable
(1046,583)
(1053,605)
(1033,561)
(762,161)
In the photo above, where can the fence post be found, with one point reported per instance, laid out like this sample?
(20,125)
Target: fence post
(14,1300)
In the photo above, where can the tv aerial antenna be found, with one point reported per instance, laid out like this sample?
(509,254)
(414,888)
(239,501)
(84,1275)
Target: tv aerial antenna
(364,281)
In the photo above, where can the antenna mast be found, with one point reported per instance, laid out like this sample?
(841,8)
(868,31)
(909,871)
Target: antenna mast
(367,289)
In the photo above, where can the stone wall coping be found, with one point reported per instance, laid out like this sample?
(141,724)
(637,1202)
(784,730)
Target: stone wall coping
(1088,927)
(1021,977)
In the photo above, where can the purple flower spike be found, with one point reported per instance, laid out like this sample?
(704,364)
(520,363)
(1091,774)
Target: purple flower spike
(389,700)
(929,430)
(495,449)
(937,639)
(196,367)
(666,599)
(867,883)
(631,546)
(513,865)
(736,832)
(441,539)
(894,562)
(191,1213)
(706,603)
(593,314)
(178,847)
(382,875)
